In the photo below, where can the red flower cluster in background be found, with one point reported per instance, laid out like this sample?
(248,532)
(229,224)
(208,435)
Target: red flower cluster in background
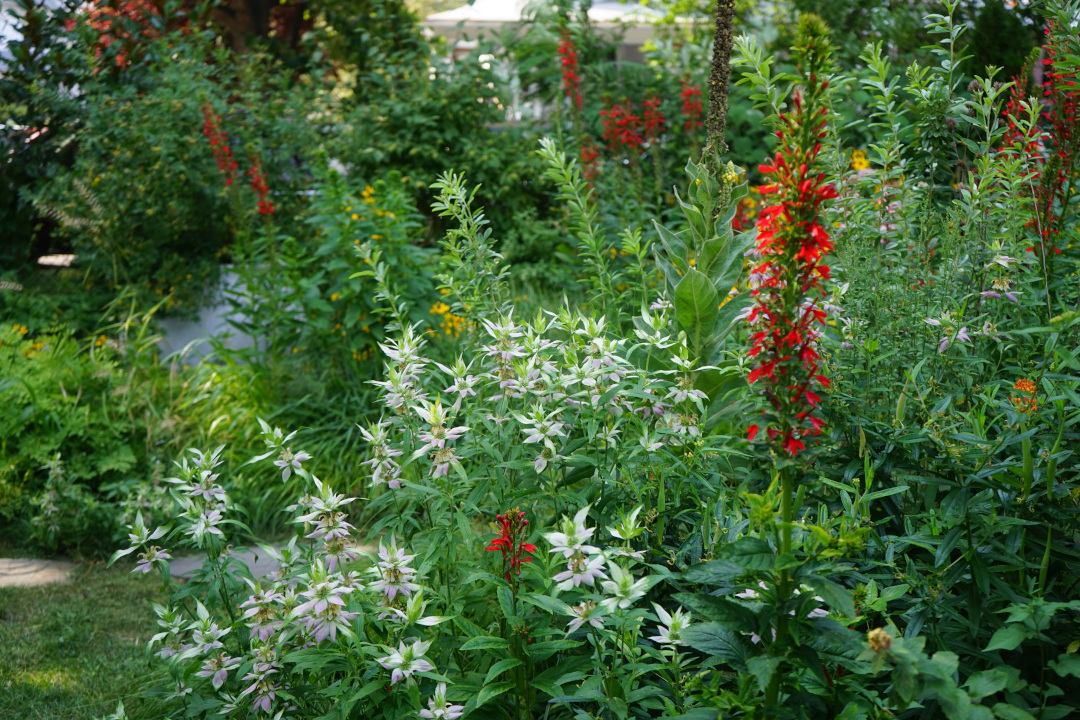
(113,22)
(569,61)
(622,128)
(1062,113)
(258,184)
(691,106)
(653,118)
(590,156)
(219,143)
(511,542)
(791,246)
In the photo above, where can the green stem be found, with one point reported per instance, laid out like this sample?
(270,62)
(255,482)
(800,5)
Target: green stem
(783,591)
(1045,559)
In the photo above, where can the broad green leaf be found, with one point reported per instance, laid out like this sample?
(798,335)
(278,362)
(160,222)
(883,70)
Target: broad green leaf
(1011,712)
(719,609)
(499,668)
(751,553)
(713,572)
(675,247)
(486,642)
(490,691)
(836,596)
(987,682)
(506,602)
(715,639)
(763,667)
(715,249)
(696,305)
(1066,664)
(1008,638)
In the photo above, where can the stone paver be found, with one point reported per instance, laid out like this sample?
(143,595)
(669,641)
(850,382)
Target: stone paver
(260,563)
(26,572)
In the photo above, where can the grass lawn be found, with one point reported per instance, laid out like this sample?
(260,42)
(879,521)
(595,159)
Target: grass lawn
(70,651)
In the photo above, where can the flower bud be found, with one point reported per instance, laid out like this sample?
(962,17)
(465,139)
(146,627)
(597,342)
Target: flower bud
(880,641)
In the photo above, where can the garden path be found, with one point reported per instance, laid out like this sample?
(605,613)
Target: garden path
(27,572)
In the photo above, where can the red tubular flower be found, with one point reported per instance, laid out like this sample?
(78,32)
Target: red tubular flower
(113,22)
(1061,93)
(791,245)
(691,106)
(571,81)
(511,542)
(219,143)
(653,118)
(590,156)
(258,184)
(622,128)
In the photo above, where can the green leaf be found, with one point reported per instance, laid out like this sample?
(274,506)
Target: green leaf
(713,572)
(675,247)
(719,609)
(715,248)
(986,683)
(499,668)
(490,691)
(751,553)
(763,667)
(836,596)
(696,305)
(1011,712)
(506,602)
(948,544)
(543,650)
(892,593)
(1008,638)
(366,690)
(715,639)
(1066,664)
(486,642)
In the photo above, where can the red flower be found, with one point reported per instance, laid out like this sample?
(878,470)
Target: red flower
(621,127)
(258,184)
(691,106)
(511,542)
(590,155)
(791,245)
(219,143)
(653,117)
(570,79)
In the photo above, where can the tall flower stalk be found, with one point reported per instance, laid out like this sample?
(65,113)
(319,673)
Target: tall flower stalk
(791,246)
(786,317)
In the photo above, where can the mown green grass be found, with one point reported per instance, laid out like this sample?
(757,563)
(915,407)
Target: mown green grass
(70,651)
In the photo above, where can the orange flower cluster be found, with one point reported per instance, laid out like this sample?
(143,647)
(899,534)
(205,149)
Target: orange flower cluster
(1026,403)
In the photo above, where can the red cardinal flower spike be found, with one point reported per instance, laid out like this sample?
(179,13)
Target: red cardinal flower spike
(791,247)
(511,542)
